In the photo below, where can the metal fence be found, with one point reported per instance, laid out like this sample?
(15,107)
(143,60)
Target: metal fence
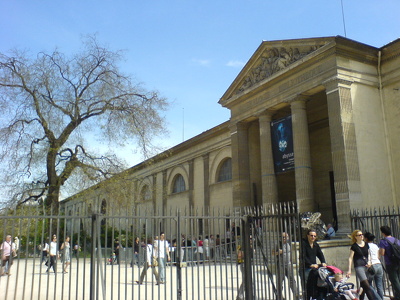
(203,249)
(370,220)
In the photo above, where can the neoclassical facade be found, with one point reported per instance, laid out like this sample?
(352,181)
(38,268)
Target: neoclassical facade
(316,121)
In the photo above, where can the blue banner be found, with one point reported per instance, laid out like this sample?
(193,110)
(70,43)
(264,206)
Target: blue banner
(282,144)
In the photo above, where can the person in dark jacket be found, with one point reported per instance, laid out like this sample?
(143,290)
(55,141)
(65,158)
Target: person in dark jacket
(311,251)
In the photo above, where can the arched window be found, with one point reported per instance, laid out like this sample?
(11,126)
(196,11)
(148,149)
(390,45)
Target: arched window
(103,208)
(225,170)
(145,194)
(179,184)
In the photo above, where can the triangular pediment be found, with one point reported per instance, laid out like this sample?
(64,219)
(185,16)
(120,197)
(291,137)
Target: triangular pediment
(270,58)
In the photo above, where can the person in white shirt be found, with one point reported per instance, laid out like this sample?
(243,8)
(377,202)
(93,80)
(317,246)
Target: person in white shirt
(376,264)
(53,252)
(150,263)
(45,252)
(162,253)
(206,246)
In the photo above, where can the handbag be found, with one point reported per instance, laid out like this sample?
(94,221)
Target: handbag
(155,262)
(371,270)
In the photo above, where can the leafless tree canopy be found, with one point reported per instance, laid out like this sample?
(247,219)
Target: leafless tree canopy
(53,108)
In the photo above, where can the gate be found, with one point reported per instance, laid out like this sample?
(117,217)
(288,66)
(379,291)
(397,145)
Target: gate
(204,264)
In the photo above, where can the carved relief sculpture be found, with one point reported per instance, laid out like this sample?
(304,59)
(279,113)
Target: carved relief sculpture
(272,61)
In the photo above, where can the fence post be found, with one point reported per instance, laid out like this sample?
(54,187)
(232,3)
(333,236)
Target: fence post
(248,253)
(92,258)
(178,259)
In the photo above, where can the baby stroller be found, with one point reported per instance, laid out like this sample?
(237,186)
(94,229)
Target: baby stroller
(336,286)
(113,259)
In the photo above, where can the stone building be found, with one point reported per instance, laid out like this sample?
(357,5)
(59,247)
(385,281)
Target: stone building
(315,120)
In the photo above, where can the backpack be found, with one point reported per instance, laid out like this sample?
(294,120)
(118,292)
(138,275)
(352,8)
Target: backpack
(395,257)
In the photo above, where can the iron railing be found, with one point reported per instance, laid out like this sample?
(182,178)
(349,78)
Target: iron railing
(194,271)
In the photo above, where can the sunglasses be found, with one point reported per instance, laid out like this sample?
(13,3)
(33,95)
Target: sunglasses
(312,235)
(359,234)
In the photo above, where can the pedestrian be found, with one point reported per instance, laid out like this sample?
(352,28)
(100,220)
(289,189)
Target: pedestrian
(117,247)
(199,250)
(150,262)
(392,268)
(76,250)
(330,232)
(45,252)
(235,235)
(206,248)
(284,266)
(240,261)
(6,256)
(16,243)
(212,247)
(359,255)
(53,255)
(218,248)
(136,247)
(66,253)
(377,277)
(228,246)
(311,251)
(163,255)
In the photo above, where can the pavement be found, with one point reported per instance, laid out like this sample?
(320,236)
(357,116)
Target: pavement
(209,281)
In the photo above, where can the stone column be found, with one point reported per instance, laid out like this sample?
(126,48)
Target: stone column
(268,177)
(154,193)
(344,150)
(241,193)
(164,192)
(206,182)
(191,186)
(302,157)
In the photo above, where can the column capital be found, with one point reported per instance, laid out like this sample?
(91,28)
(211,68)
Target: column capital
(298,98)
(268,113)
(238,126)
(333,83)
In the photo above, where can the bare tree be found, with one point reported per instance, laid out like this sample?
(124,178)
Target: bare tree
(53,109)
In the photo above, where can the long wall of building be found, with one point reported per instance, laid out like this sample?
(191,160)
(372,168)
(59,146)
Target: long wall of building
(341,99)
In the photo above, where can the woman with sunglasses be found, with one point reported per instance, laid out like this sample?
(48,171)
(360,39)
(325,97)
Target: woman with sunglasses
(360,256)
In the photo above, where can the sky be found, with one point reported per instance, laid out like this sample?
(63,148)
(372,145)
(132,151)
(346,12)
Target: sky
(190,51)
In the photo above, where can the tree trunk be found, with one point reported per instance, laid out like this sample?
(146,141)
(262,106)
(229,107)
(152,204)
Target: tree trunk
(52,199)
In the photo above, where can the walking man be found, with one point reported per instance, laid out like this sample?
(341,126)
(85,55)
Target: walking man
(162,253)
(284,264)
(53,254)
(392,268)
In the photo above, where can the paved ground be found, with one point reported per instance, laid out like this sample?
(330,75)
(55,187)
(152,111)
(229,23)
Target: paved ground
(220,281)
(30,281)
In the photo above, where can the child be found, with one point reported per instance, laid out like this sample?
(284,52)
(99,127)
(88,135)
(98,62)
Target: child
(343,288)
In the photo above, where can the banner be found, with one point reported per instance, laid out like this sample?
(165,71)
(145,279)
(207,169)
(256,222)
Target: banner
(282,144)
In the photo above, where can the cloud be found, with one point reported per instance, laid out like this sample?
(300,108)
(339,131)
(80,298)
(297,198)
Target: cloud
(201,62)
(235,63)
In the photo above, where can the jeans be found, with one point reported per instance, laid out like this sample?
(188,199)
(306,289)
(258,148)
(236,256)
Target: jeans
(161,268)
(377,279)
(394,277)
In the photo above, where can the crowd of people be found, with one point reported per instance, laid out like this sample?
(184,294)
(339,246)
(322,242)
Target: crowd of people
(370,260)
(364,257)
